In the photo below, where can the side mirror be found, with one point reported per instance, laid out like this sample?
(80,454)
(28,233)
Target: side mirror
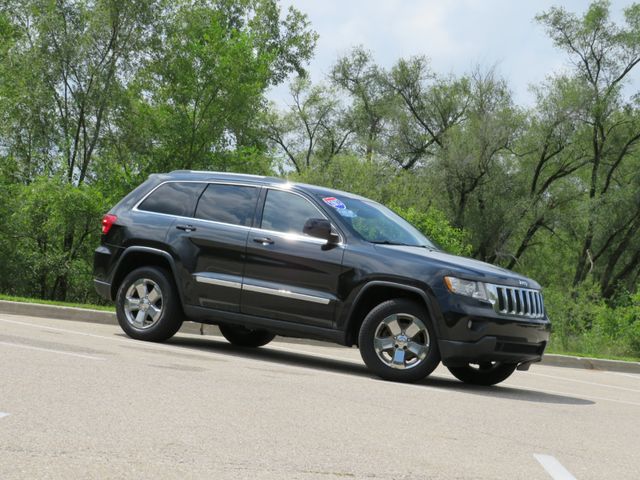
(320,228)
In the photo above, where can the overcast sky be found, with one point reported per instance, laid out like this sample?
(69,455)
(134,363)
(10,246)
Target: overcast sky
(454,34)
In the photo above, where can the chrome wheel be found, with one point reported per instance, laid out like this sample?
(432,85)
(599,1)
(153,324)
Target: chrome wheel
(143,303)
(401,341)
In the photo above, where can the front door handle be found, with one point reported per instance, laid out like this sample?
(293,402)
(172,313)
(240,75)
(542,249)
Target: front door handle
(263,240)
(186,228)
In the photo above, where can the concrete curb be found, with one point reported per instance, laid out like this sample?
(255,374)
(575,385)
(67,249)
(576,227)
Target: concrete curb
(588,363)
(109,318)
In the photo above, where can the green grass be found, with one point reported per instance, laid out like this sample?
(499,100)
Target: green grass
(10,298)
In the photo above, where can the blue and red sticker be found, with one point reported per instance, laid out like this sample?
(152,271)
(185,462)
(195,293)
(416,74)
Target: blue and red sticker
(334,202)
(339,206)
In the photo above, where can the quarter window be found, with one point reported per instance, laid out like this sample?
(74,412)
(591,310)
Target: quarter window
(174,198)
(287,212)
(232,204)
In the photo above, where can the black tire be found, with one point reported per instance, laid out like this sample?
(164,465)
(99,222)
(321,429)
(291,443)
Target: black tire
(412,368)
(244,337)
(486,373)
(169,319)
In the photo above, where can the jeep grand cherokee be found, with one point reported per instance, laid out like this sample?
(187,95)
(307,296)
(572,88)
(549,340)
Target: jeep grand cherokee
(260,256)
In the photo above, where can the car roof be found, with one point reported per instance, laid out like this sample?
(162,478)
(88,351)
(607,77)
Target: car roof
(204,175)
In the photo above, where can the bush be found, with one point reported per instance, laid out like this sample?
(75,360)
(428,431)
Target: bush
(584,323)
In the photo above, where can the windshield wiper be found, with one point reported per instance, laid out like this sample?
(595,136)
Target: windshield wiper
(387,242)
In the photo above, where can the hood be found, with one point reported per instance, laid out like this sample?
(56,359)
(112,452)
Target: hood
(466,267)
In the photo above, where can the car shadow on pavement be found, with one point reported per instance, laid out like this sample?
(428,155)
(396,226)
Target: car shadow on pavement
(314,362)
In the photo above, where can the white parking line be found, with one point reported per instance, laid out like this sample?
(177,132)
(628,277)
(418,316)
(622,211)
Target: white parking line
(565,379)
(628,375)
(553,467)
(3,414)
(49,350)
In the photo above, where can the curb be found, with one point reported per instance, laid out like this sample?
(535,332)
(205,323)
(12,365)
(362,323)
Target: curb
(554,360)
(109,318)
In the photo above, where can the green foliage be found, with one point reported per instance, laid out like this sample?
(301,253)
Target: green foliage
(435,225)
(584,322)
(50,231)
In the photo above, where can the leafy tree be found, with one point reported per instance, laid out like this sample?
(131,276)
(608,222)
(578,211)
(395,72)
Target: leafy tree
(357,75)
(603,55)
(312,128)
(198,95)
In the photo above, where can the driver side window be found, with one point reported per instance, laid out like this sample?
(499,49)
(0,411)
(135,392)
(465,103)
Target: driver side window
(287,212)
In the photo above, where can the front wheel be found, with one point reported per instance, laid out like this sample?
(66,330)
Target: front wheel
(483,373)
(244,337)
(397,341)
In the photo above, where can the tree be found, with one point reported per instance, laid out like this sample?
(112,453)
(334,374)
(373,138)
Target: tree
(602,54)
(427,107)
(203,89)
(357,75)
(314,127)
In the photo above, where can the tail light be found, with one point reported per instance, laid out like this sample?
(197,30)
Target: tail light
(107,221)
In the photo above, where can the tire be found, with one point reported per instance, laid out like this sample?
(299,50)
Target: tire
(147,305)
(244,337)
(389,336)
(486,373)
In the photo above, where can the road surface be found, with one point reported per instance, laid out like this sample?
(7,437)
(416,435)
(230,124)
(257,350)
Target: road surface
(81,400)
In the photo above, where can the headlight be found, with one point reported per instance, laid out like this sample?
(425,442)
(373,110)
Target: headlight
(468,288)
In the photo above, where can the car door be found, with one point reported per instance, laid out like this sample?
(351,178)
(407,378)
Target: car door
(288,275)
(212,245)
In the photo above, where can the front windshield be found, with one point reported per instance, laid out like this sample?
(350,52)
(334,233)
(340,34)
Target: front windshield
(376,223)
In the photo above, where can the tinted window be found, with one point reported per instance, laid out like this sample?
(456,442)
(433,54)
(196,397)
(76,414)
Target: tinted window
(228,203)
(175,198)
(287,212)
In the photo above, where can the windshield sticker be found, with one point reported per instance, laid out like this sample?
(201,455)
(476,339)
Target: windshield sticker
(347,213)
(334,202)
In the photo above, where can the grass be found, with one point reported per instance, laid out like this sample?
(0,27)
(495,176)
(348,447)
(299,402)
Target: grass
(10,298)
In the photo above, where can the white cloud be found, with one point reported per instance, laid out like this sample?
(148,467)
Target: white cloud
(455,34)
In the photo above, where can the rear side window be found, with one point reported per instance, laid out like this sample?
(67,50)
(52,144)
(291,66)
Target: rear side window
(174,198)
(287,212)
(232,204)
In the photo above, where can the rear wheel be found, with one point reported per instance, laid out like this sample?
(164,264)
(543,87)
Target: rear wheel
(483,373)
(244,337)
(397,341)
(147,305)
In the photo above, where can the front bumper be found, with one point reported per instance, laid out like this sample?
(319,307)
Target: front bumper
(490,349)
(470,332)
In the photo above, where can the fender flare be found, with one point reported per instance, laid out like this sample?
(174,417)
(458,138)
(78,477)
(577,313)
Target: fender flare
(431,310)
(151,251)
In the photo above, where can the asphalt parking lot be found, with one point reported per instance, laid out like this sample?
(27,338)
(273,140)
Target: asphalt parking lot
(82,400)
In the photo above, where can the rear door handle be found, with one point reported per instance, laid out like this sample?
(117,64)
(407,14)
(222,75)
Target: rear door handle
(263,240)
(186,228)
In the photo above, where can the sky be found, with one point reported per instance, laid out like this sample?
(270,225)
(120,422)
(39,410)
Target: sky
(455,35)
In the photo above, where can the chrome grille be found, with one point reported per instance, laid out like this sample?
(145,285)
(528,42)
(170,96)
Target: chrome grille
(516,301)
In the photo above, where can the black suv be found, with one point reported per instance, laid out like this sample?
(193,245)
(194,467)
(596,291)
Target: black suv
(260,256)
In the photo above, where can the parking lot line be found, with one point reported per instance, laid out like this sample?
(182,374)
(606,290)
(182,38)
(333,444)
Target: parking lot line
(50,350)
(565,379)
(553,467)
